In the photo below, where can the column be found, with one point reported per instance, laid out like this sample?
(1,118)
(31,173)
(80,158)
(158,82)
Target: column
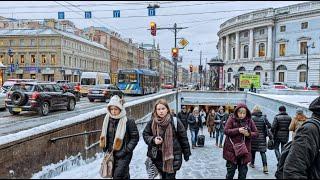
(269,51)
(250,44)
(227,48)
(237,45)
(221,48)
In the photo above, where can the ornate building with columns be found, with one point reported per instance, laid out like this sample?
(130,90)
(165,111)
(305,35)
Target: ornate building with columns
(273,43)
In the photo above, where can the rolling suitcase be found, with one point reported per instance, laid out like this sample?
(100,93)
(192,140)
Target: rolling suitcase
(201,139)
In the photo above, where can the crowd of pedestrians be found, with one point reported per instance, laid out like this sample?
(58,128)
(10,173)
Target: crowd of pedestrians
(241,134)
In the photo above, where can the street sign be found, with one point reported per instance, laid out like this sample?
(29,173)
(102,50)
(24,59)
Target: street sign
(116,13)
(60,15)
(87,14)
(151,11)
(183,42)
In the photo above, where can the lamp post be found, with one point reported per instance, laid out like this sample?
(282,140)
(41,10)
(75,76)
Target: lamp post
(312,46)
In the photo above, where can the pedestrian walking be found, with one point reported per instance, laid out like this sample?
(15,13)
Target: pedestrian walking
(297,121)
(220,122)
(119,136)
(239,130)
(280,130)
(166,141)
(183,115)
(259,144)
(303,160)
(195,124)
(203,115)
(210,123)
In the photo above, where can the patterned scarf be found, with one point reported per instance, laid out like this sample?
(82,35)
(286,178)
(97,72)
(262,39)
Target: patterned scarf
(160,126)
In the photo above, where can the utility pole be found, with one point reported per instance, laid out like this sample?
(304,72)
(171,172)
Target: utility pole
(200,72)
(175,28)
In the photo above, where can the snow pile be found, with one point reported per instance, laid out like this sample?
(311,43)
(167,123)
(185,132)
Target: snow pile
(298,100)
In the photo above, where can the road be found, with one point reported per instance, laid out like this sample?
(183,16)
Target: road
(10,124)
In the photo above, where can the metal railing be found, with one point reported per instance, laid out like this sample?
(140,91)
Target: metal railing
(86,139)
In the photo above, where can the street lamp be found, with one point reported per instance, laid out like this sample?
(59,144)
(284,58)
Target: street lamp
(312,46)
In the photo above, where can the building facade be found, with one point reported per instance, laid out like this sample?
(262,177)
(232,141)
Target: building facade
(166,71)
(273,44)
(50,55)
(183,75)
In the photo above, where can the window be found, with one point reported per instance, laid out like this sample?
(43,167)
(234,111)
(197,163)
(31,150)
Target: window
(266,76)
(43,42)
(1,43)
(69,61)
(261,50)
(11,42)
(246,51)
(261,31)
(64,60)
(303,47)
(21,42)
(229,77)
(282,28)
(43,59)
(282,50)
(281,77)
(52,42)
(33,42)
(258,73)
(53,59)
(302,76)
(304,25)
(245,34)
(233,53)
(22,59)
(33,58)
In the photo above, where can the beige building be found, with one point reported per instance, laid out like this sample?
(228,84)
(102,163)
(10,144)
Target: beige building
(183,75)
(166,71)
(50,54)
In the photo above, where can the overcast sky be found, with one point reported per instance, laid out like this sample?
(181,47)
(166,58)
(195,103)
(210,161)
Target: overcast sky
(203,19)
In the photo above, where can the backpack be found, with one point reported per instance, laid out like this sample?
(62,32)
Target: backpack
(286,150)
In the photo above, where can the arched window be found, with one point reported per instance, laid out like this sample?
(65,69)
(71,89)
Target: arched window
(242,69)
(302,67)
(281,67)
(246,51)
(302,72)
(258,68)
(230,70)
(261,50)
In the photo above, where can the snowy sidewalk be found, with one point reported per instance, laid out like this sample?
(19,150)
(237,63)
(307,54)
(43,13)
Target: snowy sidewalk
(204,163)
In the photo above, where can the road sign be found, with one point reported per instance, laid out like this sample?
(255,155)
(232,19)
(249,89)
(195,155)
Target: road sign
(151,11)
(183,42)
(60,15)
(116,13)
(87,14)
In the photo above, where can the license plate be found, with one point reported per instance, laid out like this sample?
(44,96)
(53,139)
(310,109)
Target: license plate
(16,109)
(95,92)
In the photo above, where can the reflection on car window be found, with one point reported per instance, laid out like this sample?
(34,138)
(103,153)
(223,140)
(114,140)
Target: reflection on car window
(22,87)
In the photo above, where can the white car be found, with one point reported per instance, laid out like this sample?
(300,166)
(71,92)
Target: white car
(2,98)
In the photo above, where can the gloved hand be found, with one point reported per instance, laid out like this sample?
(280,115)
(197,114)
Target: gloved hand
(186,158)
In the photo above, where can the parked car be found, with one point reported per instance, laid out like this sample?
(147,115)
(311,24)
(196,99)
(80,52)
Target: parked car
(72,87)
(104,92)
(168,86)
(2,98)
(314,87)
(10,82)
(38,96)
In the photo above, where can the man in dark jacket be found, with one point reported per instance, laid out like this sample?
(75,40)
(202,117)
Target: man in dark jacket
(183,115)
(280,130)
(303,160)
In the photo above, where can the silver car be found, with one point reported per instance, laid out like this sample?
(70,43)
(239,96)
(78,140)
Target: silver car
(2,98)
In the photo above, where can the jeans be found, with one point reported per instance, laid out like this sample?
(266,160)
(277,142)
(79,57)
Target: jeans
(194,136)
(219,132)
(231,170)
(263,157)
(276,148)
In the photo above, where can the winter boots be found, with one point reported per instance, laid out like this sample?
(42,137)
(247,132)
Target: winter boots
(265,170)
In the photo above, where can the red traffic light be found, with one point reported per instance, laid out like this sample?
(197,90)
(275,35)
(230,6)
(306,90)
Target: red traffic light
(175,52)
(153,27)
(191,68)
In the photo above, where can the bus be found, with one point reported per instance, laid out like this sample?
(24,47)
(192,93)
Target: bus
(90,79)
(138,81)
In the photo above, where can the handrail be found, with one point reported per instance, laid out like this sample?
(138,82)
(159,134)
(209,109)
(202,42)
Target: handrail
(73,135)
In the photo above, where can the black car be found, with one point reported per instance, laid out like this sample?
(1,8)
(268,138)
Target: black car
(72,87)
(38,96)
(104,92)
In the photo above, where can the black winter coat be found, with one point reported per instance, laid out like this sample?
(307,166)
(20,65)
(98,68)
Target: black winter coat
(303,160)
(122,157)
(261,121)
(184,118)
(180,145)
(221,120)
(193,125)
(280,127)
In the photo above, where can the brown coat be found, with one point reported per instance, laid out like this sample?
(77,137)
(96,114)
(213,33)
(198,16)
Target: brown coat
(296,123)
(210,122)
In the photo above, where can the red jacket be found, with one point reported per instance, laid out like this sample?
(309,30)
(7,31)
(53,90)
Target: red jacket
(232,130)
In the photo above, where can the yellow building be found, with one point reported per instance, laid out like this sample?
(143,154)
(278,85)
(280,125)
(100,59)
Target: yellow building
(50,55)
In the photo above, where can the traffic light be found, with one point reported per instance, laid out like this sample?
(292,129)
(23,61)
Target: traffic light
(175,52)
(153,27)
(191,68)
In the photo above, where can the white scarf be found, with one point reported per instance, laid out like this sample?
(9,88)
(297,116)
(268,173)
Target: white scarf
(121,129)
